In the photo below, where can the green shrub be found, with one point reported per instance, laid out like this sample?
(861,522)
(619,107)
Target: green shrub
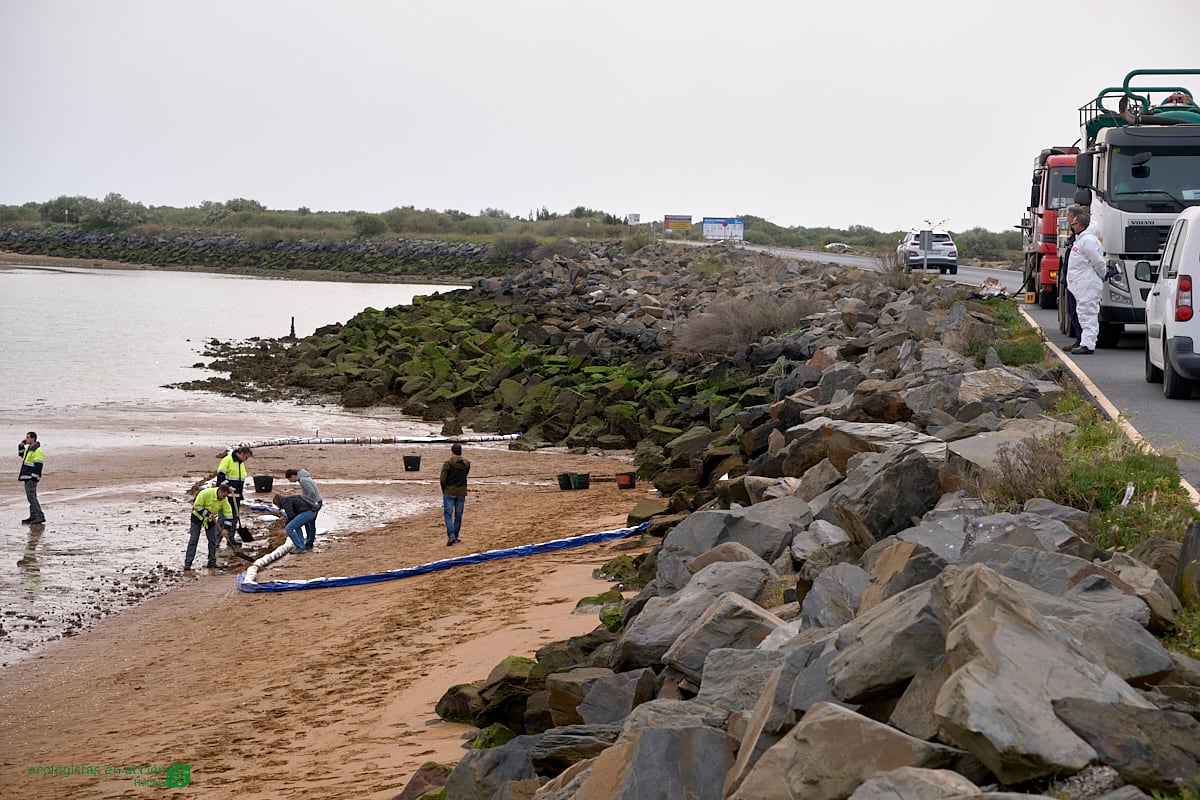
(510,247)
(262,237)
(368,224)
(637,240)
(476,226)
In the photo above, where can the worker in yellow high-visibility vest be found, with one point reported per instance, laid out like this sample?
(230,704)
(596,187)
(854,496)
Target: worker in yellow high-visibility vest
(210,512)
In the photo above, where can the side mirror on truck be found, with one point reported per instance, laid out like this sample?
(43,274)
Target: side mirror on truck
(1083,173)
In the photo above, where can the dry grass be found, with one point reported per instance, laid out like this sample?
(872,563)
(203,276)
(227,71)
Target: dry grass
(730,325)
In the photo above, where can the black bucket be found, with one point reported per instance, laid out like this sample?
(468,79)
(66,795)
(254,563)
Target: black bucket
(263,483)
(581,480)
(564,481)
(412,463)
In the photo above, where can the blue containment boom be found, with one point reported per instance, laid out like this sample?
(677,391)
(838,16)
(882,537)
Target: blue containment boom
(247,581)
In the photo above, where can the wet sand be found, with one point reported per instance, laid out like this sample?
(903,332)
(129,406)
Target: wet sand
(325,693)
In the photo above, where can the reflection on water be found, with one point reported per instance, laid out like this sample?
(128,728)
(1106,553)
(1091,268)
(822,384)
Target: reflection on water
(71,336)
(31,573)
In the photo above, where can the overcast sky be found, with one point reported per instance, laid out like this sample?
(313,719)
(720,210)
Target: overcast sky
(881,112)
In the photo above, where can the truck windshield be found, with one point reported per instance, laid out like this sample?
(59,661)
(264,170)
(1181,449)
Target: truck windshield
(1060,187)
(1168,182)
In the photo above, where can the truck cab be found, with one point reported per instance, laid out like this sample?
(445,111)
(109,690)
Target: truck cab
(1140,169)
(1053,188)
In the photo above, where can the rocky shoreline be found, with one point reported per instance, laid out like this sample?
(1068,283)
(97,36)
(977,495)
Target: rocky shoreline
(834,610)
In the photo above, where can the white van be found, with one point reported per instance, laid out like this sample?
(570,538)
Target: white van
(1172,326)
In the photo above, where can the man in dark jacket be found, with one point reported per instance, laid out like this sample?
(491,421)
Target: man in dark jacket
(298,510)
(32,460)
(454,491)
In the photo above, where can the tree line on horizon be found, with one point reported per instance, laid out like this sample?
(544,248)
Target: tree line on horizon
(262,226)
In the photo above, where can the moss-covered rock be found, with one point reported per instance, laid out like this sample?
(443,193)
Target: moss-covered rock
(617,568)
(511,669)
(568,654)
(460,703)
(596,602)
(612,615)
(493,735)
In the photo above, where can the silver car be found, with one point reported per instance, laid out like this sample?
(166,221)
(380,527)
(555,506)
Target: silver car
(942,253)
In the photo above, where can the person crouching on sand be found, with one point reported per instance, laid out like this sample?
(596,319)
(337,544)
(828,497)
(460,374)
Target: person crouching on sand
(298,510)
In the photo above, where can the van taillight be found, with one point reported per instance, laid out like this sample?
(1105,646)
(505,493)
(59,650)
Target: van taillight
(1183,299)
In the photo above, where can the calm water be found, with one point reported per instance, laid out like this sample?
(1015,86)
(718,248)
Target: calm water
(84,354)
(71,337)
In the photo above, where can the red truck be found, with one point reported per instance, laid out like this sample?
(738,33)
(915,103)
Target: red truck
(1053,190)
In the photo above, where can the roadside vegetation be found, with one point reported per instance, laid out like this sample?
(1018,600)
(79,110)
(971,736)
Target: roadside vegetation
(1016,343)
(1091,469)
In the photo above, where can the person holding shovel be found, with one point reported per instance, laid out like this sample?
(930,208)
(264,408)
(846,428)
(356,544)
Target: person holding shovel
(232,473)
(210,512)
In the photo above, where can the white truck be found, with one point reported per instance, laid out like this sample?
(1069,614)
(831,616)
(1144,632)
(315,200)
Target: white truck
(1139,167)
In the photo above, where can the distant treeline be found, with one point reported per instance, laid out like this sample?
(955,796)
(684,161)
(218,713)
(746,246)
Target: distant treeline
(507,234)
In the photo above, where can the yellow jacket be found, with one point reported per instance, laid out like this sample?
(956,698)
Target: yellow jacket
(208,505)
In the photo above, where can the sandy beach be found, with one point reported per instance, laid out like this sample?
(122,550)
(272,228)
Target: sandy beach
(313,694)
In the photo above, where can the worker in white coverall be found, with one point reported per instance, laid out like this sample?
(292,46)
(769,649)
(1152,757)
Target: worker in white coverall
(1085,277)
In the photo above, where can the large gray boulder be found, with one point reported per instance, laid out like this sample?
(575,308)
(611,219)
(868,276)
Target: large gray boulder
(1147,583)
(567,690)
(834,597)
(806,664)
(766,529)
(833,750)
(883,493)
(1029,529)
(815,538)
(913,712)
(895,566)
(1091,588)
(1120,644)
(1155,750)
(686,762)
(847,439)
(915,783)
(734,680)
(664,713)
(611,699)
(730,621)
(480,774)
(993,704)
(652,632)
(559,748)
(884,648)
